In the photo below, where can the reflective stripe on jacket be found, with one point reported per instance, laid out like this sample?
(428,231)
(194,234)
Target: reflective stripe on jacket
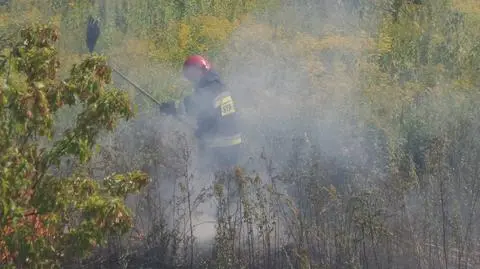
(224,141)
(227,134)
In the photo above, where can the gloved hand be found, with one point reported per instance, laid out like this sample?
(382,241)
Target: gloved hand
(168,108)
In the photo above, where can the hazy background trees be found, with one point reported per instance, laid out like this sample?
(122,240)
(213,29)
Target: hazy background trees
(360,119)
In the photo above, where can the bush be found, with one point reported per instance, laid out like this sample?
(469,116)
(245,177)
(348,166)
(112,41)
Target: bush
(47,218)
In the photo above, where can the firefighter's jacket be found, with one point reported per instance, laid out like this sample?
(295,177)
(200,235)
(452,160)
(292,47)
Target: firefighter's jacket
(215,112)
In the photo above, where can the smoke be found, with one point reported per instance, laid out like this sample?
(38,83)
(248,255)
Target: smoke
(289,82)
(291,76)
(291,73)
(294,73)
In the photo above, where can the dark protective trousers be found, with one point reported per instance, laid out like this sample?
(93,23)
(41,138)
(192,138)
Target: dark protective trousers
(217,159)
(226,157)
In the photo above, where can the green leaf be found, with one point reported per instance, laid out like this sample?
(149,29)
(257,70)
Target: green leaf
(60,201)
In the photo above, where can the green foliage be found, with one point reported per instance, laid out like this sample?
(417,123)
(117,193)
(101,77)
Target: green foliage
(419,88)
(134,32)
(46,218)
(422,70)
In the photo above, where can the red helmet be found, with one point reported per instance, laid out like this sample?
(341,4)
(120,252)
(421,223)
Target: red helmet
(196,60)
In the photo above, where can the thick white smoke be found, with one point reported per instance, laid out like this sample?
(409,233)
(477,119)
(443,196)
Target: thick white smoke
(291,76)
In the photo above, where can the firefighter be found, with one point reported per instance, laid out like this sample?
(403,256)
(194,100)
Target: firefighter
(215,112)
